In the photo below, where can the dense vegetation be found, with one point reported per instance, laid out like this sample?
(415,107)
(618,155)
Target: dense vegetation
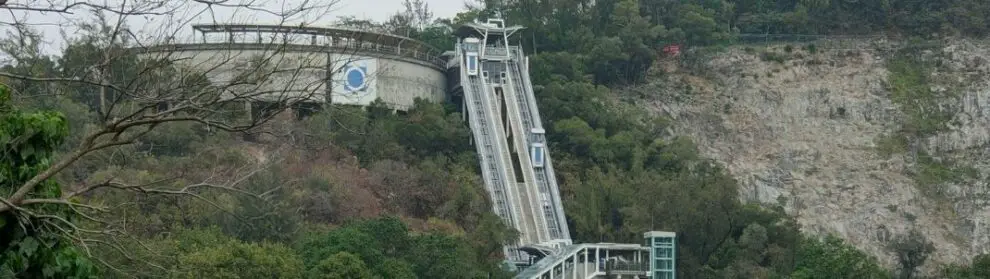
(283,233)
(320,214)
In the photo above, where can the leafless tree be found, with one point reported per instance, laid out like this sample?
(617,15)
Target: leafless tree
(166,81)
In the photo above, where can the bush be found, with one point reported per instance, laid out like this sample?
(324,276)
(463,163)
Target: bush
(210,254)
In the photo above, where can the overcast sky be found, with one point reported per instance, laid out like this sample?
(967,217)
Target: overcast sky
(382,9)
(53,24)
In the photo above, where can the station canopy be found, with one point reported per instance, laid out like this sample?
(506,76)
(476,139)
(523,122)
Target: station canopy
(477,29)
(332,32)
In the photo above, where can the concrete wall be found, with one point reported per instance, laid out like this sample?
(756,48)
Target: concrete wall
(355,79)
(400,82)
(287,75)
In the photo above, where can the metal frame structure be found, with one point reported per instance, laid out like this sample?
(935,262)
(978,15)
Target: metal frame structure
(597,260)
(663,254)
(506,122)
(321,39)
(496,49)
(480,112)
(531,201)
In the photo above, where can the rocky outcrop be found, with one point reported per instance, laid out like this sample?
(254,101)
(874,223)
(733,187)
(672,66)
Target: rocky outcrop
(800,129)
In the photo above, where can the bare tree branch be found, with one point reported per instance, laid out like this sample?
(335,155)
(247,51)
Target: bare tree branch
(146,79)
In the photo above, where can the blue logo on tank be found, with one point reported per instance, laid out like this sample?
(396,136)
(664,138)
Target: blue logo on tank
(356,78)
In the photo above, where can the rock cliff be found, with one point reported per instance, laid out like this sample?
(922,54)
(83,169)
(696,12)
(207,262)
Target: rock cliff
(801,126)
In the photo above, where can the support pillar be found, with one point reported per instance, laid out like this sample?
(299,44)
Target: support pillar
(574,261)
(598,259)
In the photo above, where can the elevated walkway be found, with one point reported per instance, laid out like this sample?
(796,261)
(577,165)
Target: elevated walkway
(586,261)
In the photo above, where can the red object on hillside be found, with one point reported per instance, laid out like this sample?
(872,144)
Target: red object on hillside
(672,50)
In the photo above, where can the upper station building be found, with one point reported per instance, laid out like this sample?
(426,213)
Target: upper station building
(350,66)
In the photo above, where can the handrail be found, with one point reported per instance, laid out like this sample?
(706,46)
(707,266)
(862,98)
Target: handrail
(551,262)
(433,60)
(496,52)
(613,266)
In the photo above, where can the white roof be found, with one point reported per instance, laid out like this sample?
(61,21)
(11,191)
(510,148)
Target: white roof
(659,234)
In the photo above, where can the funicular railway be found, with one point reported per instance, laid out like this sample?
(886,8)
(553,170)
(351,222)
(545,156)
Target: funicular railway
(498,101)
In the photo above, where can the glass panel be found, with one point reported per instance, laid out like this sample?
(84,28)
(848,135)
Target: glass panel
(665,264)
(665,253)
(538,155)
(472,63)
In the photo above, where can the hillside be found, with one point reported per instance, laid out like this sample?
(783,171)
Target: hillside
(839,159)
(825,133)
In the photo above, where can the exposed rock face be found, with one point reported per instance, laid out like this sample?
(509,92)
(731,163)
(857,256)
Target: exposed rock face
(803,133)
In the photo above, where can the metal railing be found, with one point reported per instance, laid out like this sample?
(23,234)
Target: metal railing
(496,52)
(614,267)
(343,47)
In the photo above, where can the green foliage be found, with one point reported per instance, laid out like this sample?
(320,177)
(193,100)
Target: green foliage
(931,171)
(421,156)
(389,249)
(341,265)
(979,268)
(33,245)
(210,254)
(42,256)
(618,38)
(268,217)
(438,36)
(832,258)
(77,61)
(426,130)
(621,172)
(910,88)
(173,139)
